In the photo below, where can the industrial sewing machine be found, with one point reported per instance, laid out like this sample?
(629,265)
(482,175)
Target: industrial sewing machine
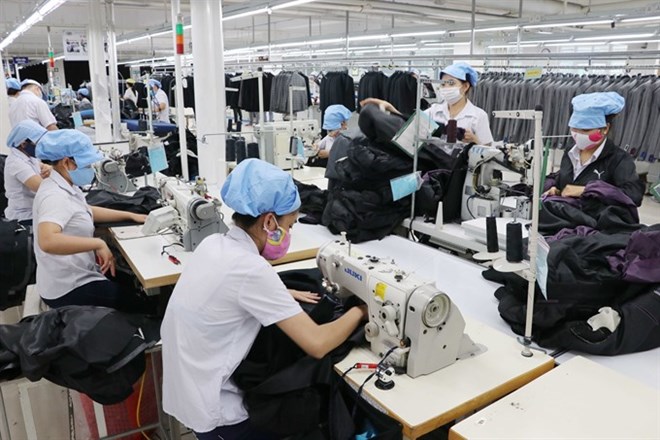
(411,319)
(111,176)
(189,210)
(488,170)
(275,138)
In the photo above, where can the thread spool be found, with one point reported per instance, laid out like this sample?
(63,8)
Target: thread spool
(241,151)
(229,125)
(253,150)
(230,150)
(491,235)
(452,131)
(239,125)
(514,243)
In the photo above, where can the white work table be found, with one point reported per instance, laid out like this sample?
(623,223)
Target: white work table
(579,399)
(428,402)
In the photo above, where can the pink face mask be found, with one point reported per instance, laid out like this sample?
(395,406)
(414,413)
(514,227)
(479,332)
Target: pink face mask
(277,243)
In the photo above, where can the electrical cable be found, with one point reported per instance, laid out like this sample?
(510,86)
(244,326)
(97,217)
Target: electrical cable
(467,204)
(378,367)
(139,403)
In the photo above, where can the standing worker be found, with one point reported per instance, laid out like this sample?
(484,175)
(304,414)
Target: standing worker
(31,105)
(226,293)
(159,100)
(457,81)
(594,157)
(13,89)
(23,172)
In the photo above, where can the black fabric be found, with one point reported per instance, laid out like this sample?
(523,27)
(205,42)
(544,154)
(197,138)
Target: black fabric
(18,263)
(63,116)
(143,201)
(173,154)
(557,215)
(372,85)
(401,91)
(613,166)
(104,293)
(289,393)
(336,88)
(313,201)
(249,93)
(137,163)
(94,350)
(3,197)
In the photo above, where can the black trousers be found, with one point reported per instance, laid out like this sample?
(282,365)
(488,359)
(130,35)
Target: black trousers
(103,293)
(241,431)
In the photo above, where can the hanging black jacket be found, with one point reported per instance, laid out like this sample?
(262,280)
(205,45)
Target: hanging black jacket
(613,166)
(95,350)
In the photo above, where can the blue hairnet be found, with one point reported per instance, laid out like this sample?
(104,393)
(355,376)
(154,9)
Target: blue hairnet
(58,144)
(12,83)
(256,187)
(26,82)
(462,71)
(83,91)
(590,109)
(155,82)
(23,131)
(334,116)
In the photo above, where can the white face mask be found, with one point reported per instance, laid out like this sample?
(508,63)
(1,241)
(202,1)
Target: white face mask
(451,94)
(587,141)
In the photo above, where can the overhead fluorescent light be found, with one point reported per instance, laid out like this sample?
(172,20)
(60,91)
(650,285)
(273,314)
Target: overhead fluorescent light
(508,46)
(458,43)
(641,19)
(418,34)
(635,42)
(462,31)
(570,44)
(616,37)
(38,15)
(566,24)
(559,40)
(495,29)
(246,14)
(290,4)
(327,41)
(368,37)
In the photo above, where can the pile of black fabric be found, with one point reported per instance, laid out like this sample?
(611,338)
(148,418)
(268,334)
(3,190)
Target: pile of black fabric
(97,351)
(173,150)
(143,201)
(589,270)
(63,116)
(291,394)
(18,266)
(3,197)
(313,201)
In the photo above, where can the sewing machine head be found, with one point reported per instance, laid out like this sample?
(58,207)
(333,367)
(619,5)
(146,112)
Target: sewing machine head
(410,320)
(197,214)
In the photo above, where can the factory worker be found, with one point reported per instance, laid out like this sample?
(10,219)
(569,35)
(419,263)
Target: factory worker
(31,105)
(226,293)
(335,121)
(13,89)
(83,98)
(159,101)
(23,172)
(595,157)
(64,243)
(457,81)
(130,94)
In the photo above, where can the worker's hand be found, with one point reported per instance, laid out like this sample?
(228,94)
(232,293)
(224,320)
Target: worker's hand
(470,137)
(572,191)
(137,218)
(381,103)
(306,297)
(45,170)
(554,191)
(323,154)
(105,258)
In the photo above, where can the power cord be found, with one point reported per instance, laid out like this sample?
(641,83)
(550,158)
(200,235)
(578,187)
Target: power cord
(378,368)
(467,204)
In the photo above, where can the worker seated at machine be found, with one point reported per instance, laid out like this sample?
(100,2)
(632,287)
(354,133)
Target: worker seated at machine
(335,121)
(66,250)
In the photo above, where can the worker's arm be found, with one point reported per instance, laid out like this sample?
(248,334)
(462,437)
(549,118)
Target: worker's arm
(162,106)
(52,127)
(33,183)
(318,340)
(53,241)
(381,103)
(105,215)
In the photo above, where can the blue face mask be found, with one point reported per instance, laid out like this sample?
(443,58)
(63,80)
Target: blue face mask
(82,176)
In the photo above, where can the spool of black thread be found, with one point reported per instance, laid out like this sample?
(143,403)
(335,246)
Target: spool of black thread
(229,125)
(253,150)
(239,125)
(452,131)
(492,242)
(514,243)
(241,151)
(230,150)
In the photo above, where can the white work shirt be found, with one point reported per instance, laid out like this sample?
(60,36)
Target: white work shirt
(28,106)
(162,115)
(11,99)
(19,168)
(578,166)
(226,293)
(470,118)
(60,203)
(326,143)
(130,95)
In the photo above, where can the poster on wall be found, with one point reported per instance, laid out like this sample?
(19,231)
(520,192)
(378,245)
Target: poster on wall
(75,45)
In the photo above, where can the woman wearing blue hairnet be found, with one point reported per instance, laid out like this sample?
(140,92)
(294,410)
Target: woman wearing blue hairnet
(226,293)
(335,121)
(594,157)
(457,81)
(65,247)
(23,172)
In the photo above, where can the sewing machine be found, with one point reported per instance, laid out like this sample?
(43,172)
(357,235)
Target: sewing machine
(189,210)
(488,169)
(111,176)
(409,318)
(275,138)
